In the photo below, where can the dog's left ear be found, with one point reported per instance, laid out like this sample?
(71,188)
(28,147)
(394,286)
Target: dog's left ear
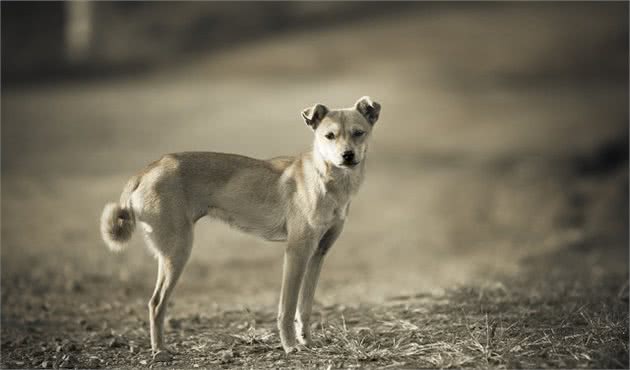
(368,109)
(314,115)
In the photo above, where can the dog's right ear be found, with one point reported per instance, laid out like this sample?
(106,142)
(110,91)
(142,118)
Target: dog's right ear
(314,115)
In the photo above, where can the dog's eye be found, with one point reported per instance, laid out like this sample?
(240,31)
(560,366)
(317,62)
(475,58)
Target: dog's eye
(358,133)
(330,136)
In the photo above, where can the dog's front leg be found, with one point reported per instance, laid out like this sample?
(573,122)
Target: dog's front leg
(309,283)
(296,256)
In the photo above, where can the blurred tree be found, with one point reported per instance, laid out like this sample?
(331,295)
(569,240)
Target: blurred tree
(78,30)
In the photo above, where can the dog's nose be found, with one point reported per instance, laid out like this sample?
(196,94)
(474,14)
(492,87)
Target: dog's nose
(348,155)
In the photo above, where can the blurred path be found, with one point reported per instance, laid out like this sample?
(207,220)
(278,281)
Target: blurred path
(487,117)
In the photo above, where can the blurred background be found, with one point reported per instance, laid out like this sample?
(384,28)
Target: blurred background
(503,140)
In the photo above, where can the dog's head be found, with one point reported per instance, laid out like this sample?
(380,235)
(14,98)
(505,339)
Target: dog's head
(341,135)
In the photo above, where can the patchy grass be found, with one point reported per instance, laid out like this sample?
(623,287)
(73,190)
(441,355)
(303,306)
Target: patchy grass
(534,321)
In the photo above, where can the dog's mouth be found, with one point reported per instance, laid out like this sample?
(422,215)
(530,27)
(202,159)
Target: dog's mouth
(352,164)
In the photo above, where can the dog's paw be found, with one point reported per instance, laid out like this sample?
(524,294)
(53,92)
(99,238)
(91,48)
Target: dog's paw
(289,347)
(293,349)
(288,339)
(305,339)
(303,333)
(162,356)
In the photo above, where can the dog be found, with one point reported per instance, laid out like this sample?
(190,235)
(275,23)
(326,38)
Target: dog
(303,200)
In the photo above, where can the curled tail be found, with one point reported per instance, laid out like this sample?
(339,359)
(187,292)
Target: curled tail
(118,220)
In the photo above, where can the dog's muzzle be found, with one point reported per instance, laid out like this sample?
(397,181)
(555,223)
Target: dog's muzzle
(348,159)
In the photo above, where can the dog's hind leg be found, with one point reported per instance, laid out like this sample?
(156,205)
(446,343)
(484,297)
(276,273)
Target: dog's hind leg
(173,250)
(156,338)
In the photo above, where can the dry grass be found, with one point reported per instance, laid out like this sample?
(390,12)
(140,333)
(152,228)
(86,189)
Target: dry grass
(525,323)
(499,327)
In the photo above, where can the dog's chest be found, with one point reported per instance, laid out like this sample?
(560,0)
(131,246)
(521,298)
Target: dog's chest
(327,212)
(328,207)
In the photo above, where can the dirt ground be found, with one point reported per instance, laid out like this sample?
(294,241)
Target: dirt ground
(495,204)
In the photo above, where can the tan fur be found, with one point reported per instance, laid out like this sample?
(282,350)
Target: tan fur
(303,200)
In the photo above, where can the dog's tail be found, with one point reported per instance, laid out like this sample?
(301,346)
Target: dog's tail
(118,220)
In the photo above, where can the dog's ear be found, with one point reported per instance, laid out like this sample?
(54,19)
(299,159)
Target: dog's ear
(314,115)
(368,109)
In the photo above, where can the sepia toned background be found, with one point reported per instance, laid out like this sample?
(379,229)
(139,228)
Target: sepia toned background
(499,164)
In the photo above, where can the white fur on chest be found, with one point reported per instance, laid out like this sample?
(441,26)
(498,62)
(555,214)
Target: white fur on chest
(324,202)
(326,212)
